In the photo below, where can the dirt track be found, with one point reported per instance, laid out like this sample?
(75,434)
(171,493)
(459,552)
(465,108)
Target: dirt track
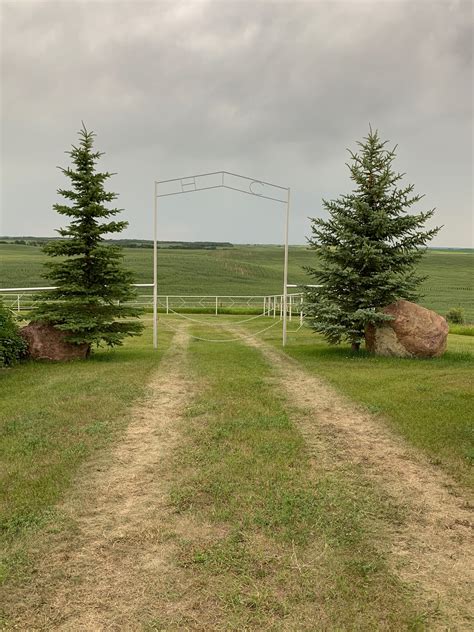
(104,576)
(433,548)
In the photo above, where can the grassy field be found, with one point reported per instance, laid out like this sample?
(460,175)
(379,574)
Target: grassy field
(249,270)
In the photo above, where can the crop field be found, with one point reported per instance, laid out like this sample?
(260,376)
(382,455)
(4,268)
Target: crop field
(221,485)
(249,270)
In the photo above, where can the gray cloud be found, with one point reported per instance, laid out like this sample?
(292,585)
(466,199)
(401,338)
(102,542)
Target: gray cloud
(276,90)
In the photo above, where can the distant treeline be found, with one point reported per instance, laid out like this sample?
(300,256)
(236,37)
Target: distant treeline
(174,245)
(127,243)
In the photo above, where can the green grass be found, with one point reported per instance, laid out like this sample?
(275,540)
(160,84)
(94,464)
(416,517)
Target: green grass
(287,542)
(461,330)
(54,416)
(249,270)
(293,548)
(429,402)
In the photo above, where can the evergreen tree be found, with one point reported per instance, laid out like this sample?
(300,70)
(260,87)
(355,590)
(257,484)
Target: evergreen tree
(92,284)
(367,249)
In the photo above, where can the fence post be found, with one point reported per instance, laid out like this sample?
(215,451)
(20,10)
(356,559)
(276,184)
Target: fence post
(264,305)
(18,303)
(290,306)
(167,305)
(301,311)
(216,305)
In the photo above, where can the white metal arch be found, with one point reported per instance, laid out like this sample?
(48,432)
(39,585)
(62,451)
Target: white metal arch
(216,180)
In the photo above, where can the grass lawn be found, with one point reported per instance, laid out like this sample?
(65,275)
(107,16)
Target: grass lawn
(265,534)
(429,402)
(52,417)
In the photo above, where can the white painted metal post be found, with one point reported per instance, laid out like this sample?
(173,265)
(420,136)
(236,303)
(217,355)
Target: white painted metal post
(264,305)
(281,307)
(155,274)
(285,273)
(301,311)
(274,306)
(216,305)
(167,304)
(18,303)
(290,308)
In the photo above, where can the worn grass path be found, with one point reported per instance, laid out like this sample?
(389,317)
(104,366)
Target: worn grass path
(103,571)
(433,547)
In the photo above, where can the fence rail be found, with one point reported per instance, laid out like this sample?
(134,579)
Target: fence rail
(24,299)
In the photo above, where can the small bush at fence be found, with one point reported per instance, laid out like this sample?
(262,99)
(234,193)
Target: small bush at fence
(455,315)
(12,345)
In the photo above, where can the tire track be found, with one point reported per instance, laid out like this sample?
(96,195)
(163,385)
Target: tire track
(106,574)
(432,550)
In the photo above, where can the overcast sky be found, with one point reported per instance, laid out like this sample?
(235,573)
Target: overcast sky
(274,90)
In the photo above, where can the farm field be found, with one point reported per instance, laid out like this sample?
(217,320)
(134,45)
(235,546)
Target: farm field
(229,493)
(249,269)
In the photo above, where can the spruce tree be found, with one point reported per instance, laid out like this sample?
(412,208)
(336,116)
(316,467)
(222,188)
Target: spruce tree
(368,248)
(92,285)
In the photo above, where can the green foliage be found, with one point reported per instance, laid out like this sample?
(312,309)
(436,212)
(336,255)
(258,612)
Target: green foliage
(367,249)
(91,283)
(12,345)
(461,330)
(455,315)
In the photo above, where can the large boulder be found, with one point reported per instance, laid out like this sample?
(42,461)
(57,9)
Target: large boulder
(414,332)
(45,342)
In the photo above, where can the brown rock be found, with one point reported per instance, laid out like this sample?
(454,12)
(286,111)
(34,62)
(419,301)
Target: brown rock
(414,332)
(45,342)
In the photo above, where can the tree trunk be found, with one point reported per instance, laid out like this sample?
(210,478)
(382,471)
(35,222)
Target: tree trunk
(355,346)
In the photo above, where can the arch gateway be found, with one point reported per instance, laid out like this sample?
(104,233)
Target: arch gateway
(216,180)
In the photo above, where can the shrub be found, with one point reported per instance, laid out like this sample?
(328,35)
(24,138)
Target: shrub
(12,345)
(455,315)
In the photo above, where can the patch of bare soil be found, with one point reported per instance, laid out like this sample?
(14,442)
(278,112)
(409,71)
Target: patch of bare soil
(432,550)
(109,571)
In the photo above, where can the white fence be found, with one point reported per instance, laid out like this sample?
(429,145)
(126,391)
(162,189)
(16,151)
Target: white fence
(23,300)
(267,305)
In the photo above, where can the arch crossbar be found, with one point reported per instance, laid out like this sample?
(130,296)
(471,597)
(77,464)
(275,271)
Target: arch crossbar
(217,180)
